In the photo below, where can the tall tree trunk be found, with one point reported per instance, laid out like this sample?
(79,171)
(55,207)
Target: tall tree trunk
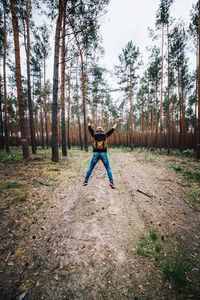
(183,110)
(22,120)
(45,108)
(69,110)
(30,104)
(63,124)
(156,114)
(102,115)
(168,95)
(172,133)
(95,116)
(55,154)
(195,126)
(41,115)
(131,112)
(37,127)
(5,85)
(152,125)
(1,116)
(198,127)
(180,112)
(148,118)
(84,102)
(196,104)
(78,112)
(161,86)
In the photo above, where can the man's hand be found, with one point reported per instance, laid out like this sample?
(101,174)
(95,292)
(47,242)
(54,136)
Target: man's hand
(88,120)
(116,120)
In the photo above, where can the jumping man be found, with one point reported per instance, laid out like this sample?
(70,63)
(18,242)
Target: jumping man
(100,150)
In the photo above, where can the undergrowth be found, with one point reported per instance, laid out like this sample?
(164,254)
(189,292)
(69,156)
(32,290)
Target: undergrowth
(187,172)
(176,264)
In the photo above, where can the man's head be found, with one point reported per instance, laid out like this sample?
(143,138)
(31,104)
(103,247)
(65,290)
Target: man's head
(99,129)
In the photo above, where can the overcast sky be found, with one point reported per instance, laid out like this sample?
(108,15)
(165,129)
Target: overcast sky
(129,20)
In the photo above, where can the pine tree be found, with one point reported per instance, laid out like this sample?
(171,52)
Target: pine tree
(162,21)
(126,72)
(24,140)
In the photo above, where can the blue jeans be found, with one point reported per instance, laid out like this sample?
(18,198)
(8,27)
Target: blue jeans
(104,158)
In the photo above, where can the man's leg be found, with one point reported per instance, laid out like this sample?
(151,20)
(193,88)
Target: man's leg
(105,160)
(93,162)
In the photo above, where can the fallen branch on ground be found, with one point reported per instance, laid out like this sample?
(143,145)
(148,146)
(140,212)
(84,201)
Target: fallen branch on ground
(146,194)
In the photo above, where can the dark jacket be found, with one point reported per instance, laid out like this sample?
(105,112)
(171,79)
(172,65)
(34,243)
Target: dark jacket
(100,137)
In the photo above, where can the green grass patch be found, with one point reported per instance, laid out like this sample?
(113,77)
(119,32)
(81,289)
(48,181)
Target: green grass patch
(193,196)
(13,156)
(153,234)
(9,185)
(188,173)
(176,264)
(21,197)
(149,247)
(175,269)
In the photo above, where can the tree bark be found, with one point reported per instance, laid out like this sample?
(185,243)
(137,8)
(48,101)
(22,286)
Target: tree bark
(1,117)
(41,115)
(5,85)
(45,108)
(30,104)
(63,124)
(22,120)
(69,111)
(161,86)
(142,123)
(131,113)
(181,108)
(84,102)
(78,112)
(198,123)
(168,95)
(55,154)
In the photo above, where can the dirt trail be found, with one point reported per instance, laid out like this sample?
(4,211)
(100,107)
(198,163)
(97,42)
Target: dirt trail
(86,240)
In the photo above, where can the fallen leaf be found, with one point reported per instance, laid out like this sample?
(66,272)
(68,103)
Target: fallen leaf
(141,288)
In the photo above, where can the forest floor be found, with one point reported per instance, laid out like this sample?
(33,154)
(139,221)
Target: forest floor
(60,240)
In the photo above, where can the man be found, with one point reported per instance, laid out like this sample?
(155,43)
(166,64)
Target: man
(100,150)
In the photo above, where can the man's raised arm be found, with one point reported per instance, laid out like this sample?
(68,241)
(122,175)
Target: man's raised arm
(116,121)
(91,130)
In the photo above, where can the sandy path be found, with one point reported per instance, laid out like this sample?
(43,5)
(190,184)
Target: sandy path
(100,229)
(87,248)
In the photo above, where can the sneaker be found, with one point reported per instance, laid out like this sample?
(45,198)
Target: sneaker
(112,185)
(85,183)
